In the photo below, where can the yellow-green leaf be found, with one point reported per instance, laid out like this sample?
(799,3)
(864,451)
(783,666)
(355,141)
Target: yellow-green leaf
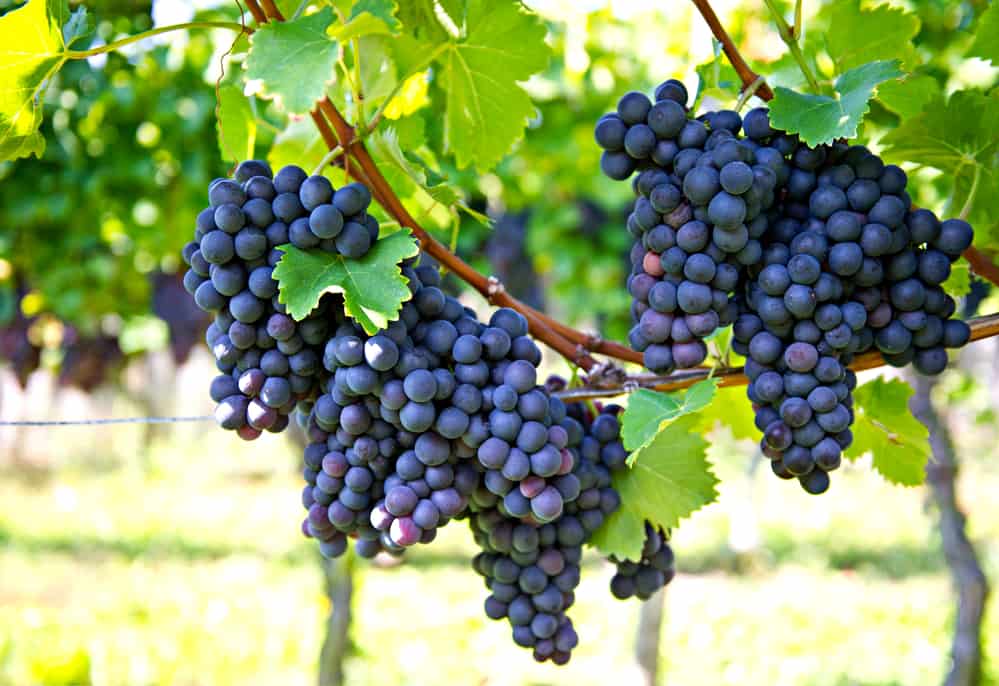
(237,127)
(31,51)
(884,426)
(672,480)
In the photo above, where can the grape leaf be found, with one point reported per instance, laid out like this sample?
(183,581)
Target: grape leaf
(373,287)
(958,284)
(299,143)
(368,17)
(821,118)
(949,134)
(960,137)
(672,480)
(650,412)
(32,49)
(730,408)
(907,96)
(986,43)
(237,127)
(857,36)
(487,111)
(885,427)
(293,61)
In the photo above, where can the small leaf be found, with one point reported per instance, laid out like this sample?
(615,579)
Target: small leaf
(885,427)
(237,127)
(986,43)
(958,284)
(368,17)
(31,51)
(487,111)
(858,36)
(820,118)
(649,412)
(672,480)
(906,97)
(294,60)
(373,287)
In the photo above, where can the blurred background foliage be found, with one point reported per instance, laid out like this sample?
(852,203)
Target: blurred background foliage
(141,556)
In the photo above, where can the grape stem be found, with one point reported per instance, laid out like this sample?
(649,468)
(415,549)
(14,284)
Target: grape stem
(787,34)
(747,75)
(980,262)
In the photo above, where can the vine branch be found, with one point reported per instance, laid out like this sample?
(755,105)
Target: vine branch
(981,327)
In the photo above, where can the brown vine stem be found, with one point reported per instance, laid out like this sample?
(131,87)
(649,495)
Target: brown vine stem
(981,263)
(745,73)
(981,327)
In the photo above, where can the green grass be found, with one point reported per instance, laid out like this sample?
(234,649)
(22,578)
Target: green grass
(181,568)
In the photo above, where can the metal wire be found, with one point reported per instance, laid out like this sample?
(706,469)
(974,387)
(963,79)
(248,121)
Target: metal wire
(120,420)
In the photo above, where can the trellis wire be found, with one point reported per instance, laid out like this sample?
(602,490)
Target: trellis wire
(118,420)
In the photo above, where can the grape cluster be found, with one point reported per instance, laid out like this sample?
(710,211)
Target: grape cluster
(653,571)
(815,254)
(267,361)
(532,569)
(848,267)
(702,196)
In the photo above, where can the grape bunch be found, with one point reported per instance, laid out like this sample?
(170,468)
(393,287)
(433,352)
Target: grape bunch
(652,572)
(814,254)
(702,196)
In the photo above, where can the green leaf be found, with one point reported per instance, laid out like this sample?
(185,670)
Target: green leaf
(487,111)
(368,17)
(650,412)
(673,480)
(986,43)
(856,37)
(962,132)
(237,127)
(820,118)
(31,51)
(373,287)
(294,60)
(300,143)
(958,284)
(731,409)
(885,427)
(907,96)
